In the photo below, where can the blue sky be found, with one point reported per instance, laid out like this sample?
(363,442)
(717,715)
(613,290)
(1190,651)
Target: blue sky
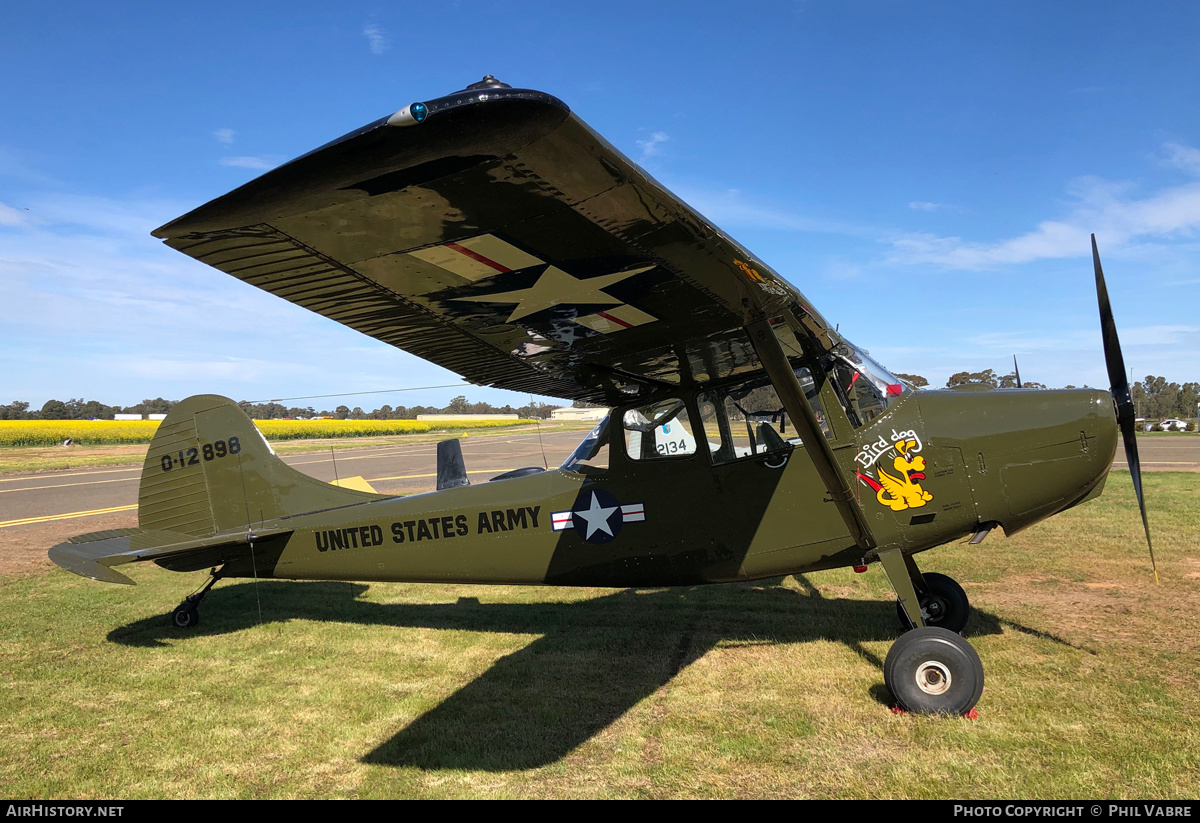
(926,173)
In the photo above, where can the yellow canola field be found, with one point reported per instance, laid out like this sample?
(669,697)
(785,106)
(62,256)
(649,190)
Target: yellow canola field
(81,432)
(316,429)
(117,432)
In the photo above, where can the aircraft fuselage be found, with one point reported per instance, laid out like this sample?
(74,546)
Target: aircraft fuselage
(935,467)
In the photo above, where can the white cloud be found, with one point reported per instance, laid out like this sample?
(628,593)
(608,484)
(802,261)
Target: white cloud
(1051,240)
(922,205)
(840,269)
(1183,157)
(96,307)
(248,162)
(12,217)
(1025,340)
(116,221)
(1188,336)
(14,165)
(225,136)
(376,38)
(152,367)
(653,146)
(1101,206)
(730,208)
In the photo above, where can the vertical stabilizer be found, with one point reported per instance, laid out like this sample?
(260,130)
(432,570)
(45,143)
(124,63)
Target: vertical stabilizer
(210,470)
(451,471)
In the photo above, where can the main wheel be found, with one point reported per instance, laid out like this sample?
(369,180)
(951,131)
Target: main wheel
(185,616)
(932,670)
(946,605)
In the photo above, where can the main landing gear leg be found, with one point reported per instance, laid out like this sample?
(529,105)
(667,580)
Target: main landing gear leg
(187,613)
(930,669)
(895,565)
(942,601)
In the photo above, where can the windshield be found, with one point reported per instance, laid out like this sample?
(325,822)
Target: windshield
(865,388)
(592,453)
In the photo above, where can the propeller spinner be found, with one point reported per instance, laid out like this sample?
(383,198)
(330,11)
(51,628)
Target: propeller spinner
(1122,398)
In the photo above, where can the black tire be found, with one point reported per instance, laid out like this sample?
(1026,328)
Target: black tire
(933,671)
(946,605)
(185,616)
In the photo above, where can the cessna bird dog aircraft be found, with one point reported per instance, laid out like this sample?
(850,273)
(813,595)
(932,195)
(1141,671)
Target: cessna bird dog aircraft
(492,232)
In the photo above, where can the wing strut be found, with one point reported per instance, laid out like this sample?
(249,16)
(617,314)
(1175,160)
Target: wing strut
(771,354)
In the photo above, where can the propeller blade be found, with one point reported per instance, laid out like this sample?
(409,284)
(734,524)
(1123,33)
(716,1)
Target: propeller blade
(1122,397)
(1017,372)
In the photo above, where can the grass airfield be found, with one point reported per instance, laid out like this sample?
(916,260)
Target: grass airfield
(772,689)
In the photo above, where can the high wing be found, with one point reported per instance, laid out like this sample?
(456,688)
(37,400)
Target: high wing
(500,237)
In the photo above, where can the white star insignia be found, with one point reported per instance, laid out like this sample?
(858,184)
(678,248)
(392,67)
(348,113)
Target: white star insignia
(597,517)
(554,288)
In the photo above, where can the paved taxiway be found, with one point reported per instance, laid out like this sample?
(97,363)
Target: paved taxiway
(405,468)
(1164,453)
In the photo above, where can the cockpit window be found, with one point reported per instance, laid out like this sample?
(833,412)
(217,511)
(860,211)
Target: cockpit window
(590,456)
(865,388)
(749,419)
(658,430)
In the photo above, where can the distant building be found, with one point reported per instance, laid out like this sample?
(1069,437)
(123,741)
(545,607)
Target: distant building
(156,417)
(127,417)
(571,414)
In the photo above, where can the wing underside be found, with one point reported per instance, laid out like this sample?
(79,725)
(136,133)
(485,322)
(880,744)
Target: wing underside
(505,240)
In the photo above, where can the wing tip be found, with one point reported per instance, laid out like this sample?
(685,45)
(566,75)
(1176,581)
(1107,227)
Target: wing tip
(84,559)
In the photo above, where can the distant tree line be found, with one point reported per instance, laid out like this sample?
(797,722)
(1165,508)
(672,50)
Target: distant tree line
(983,378)
(78,409)
(1155,398)
(988,377)
(916,380)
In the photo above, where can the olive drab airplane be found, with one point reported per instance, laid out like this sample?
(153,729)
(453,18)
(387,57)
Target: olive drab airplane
(492,232)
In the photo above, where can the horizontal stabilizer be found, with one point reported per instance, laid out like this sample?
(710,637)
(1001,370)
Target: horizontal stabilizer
(93,555)
(358,483)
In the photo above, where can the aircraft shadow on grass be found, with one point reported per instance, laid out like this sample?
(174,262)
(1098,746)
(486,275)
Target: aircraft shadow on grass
(595,660)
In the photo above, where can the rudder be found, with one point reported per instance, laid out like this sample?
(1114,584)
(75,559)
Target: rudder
(209,470)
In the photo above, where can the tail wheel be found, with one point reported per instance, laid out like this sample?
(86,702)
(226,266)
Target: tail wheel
(945,606)
(185,616)
(933,671)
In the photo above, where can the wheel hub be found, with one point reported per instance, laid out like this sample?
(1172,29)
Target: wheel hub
(934,609)
(933,677)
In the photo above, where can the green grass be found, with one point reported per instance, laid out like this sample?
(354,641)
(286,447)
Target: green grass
(399,690)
